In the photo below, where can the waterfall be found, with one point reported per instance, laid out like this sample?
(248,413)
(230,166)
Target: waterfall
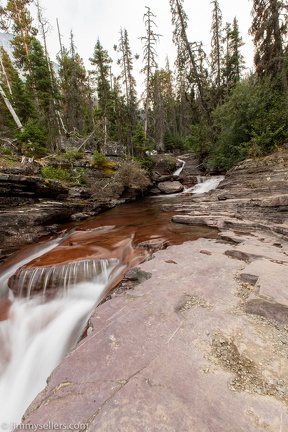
(34,253)
(205,184)
(49,279)
(40,331)
(179,170)
(55,285)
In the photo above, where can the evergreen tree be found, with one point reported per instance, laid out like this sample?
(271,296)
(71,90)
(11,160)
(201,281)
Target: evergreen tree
(126,64)
(170,97)
(150,62)
(17,18)
(234,60)
(163,106)
(17,91)
(44,27)
(216,54)
(102,62)
(42,84)
(75,91)
(190,58)
(269,29)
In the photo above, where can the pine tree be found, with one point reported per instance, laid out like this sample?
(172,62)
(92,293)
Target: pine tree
(216,54)
(43,86)
(269,29)
(126,64)
(170,98)
(75,91)
(163,106)
(17,18)
(17,91)
(102,62)
(150,62)
(234,62)
(190,58)
(44,27)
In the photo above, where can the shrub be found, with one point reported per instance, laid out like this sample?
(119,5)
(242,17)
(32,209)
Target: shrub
(174,142)
(132,176)
(81,176)
(98,158)
(252,122)
(33,140)
(6,151)
(147,163)
(57,174)
(72,154)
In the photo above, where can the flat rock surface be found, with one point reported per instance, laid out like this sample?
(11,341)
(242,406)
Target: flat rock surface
(184,350)
(202,345)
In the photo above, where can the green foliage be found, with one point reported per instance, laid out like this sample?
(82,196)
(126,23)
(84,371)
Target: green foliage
(147,163)
(98,158)
(5,151)
(81,176)
(174,142)
(139,140)
(7,161)
(58,174)
(196,139)
(72,154)
(33,140)
(252,122)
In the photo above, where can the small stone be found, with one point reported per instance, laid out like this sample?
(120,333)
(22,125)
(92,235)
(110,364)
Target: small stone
(205,252)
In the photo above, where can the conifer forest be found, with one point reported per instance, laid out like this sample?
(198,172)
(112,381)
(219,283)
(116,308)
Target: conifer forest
(205,102)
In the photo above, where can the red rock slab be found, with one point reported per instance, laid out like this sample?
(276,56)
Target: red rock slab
(149,364)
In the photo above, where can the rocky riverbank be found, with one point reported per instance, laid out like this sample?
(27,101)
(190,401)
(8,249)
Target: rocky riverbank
(32,207)
(202,344)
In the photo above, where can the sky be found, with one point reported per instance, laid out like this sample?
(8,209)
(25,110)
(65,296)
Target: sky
(103,19)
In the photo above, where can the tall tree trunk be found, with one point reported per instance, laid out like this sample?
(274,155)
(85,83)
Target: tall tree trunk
(5,76)
(11,109)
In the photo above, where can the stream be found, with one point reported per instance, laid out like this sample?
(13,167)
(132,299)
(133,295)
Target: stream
(48,291)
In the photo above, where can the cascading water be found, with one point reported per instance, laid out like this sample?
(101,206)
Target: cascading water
(205,184)
(39,332)
(179,170)
(54,287)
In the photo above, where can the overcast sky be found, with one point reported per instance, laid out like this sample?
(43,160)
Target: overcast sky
(93,19)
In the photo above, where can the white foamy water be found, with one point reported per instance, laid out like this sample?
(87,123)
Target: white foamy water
(33,253)
(179,170)
(37,336)
(205,184)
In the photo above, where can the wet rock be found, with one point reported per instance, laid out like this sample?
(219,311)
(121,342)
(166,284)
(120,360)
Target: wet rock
(154,191)
(164,178)
(164,164)
(252,197)
(170,187)
(153,245)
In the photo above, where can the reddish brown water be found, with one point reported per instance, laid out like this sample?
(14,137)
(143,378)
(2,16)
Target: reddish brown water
(52,323)
(141,227)
(128,232)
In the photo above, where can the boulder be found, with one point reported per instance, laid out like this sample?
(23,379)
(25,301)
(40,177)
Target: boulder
(170,187)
